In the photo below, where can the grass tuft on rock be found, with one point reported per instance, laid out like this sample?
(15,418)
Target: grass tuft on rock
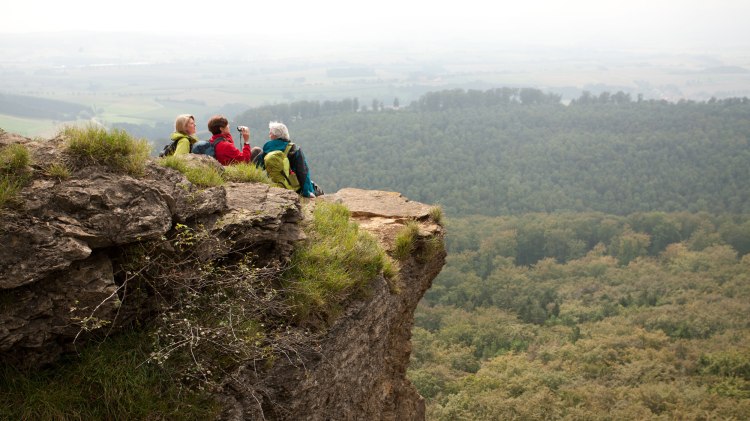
(10,187)
(58,170)
(437,214)
(14,162)
(246,173)
(406,241)
(14,159)
(112,148)
(200,175)
(338,261)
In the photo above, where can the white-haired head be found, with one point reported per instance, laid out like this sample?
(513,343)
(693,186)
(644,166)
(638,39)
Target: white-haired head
(278,130)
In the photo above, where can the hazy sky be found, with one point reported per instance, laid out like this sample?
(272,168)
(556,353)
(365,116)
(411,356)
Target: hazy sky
(677,24)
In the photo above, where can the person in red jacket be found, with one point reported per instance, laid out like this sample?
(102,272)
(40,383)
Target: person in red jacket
(225,151)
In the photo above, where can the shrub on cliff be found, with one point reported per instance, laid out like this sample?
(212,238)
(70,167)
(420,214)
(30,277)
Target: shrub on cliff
(115,149)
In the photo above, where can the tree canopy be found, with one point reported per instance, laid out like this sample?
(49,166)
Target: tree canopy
(511,151)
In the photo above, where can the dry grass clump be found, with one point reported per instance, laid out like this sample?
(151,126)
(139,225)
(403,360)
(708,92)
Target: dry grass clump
(14,162)
(112,148)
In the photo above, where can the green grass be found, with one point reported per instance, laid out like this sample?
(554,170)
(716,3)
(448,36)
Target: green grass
(114,148)
(108,381)
(14,161)
(436,213)
(208,176)
(58,170)
(406,241)
(9,189)
(336,262)
(246,173)
(204,175)
(27,126)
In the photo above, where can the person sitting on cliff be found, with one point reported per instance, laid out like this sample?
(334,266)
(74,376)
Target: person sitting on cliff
(225,152)
(184,134)
(278,134)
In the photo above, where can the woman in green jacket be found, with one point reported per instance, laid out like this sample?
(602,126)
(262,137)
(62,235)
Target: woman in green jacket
(184,134)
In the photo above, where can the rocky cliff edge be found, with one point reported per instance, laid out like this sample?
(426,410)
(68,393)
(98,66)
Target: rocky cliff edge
(59,271)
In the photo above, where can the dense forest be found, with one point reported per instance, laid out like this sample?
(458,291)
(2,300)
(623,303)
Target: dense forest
(662,337)
(512,158)
(588,316)
(599,252)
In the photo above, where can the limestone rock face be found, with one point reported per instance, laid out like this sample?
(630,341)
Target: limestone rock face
(103,210)
(33,249)
(262,218)
(359,372)
(60,281)
(56,268)
(186,201)
(40,321)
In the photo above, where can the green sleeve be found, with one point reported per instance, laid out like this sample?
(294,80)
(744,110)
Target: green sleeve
(183,147)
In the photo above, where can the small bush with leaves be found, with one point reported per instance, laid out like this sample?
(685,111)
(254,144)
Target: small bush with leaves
(200,175)
(213,316)
(115,149)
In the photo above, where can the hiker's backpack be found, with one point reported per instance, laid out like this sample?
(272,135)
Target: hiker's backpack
(205,147)
(277,168)
(169,149)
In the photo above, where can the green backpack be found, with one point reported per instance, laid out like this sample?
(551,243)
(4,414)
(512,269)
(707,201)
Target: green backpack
(277,168)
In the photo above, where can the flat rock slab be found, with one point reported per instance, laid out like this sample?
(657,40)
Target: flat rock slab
(373,203)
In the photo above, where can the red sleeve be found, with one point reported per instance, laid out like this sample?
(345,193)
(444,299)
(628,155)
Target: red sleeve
(227,153)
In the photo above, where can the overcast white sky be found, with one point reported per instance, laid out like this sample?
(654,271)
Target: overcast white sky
(676,24)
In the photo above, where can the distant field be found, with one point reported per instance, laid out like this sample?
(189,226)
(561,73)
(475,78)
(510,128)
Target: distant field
(155,93)
(28,127)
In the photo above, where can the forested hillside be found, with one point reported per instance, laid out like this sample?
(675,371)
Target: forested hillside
(588,316)
(599,252)
(659,338)
(514,151)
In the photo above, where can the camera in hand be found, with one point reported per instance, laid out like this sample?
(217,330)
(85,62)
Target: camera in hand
(239,128)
